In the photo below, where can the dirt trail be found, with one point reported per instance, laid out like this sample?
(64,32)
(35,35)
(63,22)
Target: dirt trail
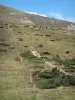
(17,52)
(35,53)
(50,64)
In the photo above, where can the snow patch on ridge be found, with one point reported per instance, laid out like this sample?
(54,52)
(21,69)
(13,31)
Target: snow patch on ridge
(37,14)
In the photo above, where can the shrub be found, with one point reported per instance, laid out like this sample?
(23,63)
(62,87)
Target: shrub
(46,75)
(69,62)
(35,73)
(45,84)
(48,35)
(40,45)
(17,58)
(69,65)
(53,79)
(57,82)
(46,53)
(52,40)
(25,46)
(49,74)
(19,32)
(67,52)
(36,34)
(68,80)
(20,39)
(4,44)
(55,71)
(58,59)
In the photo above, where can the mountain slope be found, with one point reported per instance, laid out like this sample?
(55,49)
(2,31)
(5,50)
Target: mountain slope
(15,15)
(26,50)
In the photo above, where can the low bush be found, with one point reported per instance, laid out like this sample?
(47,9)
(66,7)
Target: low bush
(67,52)
(4,44)
(45,84)
(47,53)
(1,26)
(48,35)
(19,32)
(17,58)
(36,34)
(53,79)
(20,39)
(69,65)
(52,40)
(58,59)
(40,45)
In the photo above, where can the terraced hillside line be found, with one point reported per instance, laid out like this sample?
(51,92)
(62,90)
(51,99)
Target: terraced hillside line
(21,60)
(34,86)
(35,53)
(31,82)
(48,63)
(18,54)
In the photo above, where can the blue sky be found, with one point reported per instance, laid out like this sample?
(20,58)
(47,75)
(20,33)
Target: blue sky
(60,9)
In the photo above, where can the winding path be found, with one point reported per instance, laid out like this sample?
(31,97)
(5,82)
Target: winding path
(35,53)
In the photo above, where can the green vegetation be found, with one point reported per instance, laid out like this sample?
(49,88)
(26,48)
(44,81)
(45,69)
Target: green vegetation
(52,79)
(29,56)
(58,60)
(15,75)
(69,64)
(20,39)
(4,44)
(17,58)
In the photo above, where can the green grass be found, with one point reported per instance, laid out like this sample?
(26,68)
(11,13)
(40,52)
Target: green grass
(32,58)
(69,65)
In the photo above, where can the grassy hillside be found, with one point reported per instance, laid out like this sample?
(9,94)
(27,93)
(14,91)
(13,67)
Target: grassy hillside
(28,56)
(17,64)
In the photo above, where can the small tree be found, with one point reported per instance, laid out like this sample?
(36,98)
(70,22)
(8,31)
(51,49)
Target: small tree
(55,71)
